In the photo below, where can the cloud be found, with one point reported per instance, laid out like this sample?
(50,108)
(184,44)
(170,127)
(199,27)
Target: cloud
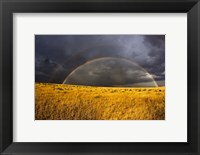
(64,53)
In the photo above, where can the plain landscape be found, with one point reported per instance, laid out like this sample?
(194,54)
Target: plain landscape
(75,102)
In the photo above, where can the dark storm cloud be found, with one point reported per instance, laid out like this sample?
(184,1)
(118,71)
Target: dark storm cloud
(155,63)
(58,55)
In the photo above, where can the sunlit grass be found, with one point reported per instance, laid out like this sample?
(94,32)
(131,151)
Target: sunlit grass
(70,102)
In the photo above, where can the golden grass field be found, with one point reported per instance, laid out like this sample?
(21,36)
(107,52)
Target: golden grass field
(70,102)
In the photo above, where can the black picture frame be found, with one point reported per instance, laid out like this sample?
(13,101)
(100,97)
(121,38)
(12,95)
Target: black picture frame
(8,7)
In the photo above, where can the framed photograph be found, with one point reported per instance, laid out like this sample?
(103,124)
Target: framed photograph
(96,77)
(99,77)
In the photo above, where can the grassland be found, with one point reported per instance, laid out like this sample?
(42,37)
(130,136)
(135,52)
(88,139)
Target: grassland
(70,102)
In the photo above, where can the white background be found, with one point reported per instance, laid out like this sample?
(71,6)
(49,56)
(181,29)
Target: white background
(172,129)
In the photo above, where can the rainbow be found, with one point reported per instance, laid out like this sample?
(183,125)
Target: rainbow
(116,58)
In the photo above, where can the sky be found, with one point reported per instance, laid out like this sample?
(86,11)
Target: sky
(100,60)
